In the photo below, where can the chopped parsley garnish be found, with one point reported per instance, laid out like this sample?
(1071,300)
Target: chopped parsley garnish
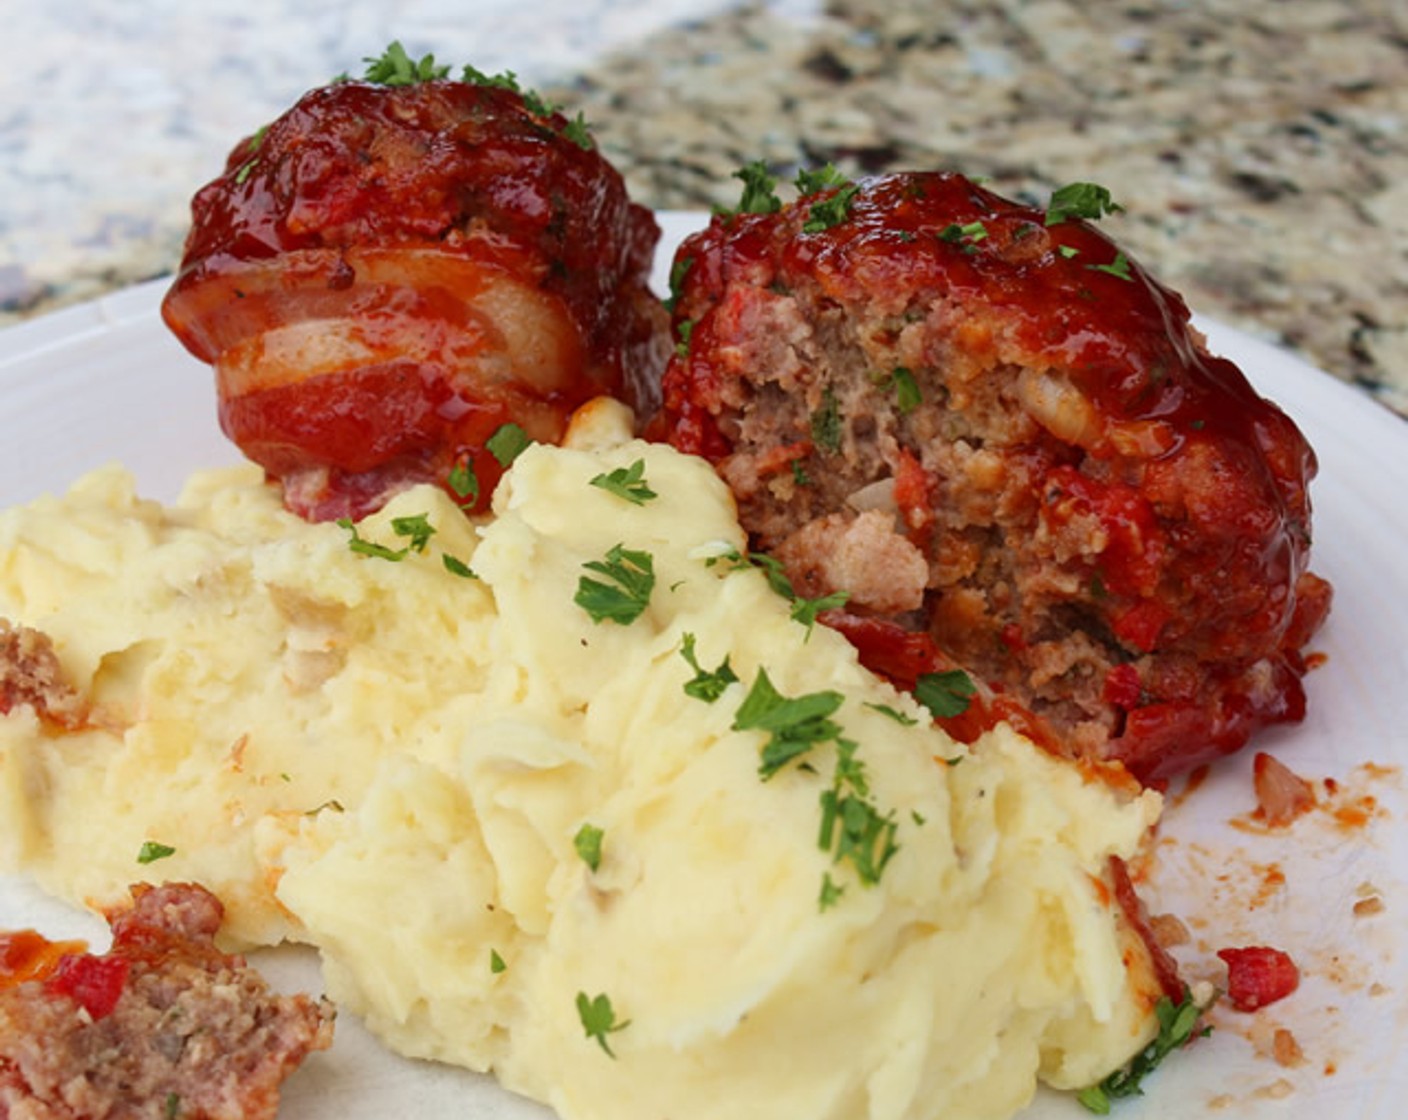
(360,544)
(508,80)
(173,1106)
(945,694)
(496,962)
(632,578)
(599,1019)
(895,714)
(830,212)
(151,851)
(831,892)
(463,482)
(508,442)
(794,724)
(457,567)
(1080,200)
(805,611)
(706,684)
(852,828)
(678,271)
(906,389)
(627,483)
(970,231)
(394,67)
(1178,1025)
(823,178)
(587,843)
(684,328)
(759,193)
(799,473)
(826,423)
(252,147)
(1118,267)
(1068,251)
(416,527)
(579,132)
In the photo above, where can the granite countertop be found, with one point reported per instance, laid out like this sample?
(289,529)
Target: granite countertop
(1260,147)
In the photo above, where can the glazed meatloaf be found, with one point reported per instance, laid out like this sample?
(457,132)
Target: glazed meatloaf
(162,1025)
(398,267)
(1003,440)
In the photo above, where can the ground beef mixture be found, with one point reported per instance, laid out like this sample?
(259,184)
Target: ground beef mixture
(164,1025)
(30,674)
(997,432)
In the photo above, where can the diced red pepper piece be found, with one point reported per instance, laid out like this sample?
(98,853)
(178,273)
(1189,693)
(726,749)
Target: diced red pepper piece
(1258,975)
(96,983)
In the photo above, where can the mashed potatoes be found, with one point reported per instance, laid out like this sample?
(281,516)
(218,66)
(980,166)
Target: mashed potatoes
(517,840)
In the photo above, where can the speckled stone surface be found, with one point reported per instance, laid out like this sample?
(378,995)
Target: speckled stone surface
(1260,147)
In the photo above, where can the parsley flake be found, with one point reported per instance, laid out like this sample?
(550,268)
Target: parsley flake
(903,719)
(707,685)
(587,844)
(624,599)
(1119,267)
(627,483)
(1178,1025)
(831,892)
(360,544)
(945,694)
(678,271)
(394,67)
(794,724)
(759,195)
(463,482)
(151,851)
(457,567)
(496,962)
(806,611)
(830,212)
(1080,200)
(826,423)
(906,389)
(823,178)
(599,1019)
(417,527)
(969,231)
(579,132)
(684,328)
(508,442)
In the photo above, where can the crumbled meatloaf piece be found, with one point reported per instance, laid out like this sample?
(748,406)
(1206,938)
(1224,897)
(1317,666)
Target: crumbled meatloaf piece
(30,673)
(1113,526)
(162,1025)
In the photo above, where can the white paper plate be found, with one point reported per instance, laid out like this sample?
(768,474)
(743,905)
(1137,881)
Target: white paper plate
(105,382)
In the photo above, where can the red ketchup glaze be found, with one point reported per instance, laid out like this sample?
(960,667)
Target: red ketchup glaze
(1198,483)
(27,955)
(432,237)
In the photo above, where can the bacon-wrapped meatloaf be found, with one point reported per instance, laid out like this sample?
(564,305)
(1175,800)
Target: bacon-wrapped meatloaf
(1002,438)
(162,1025)
(388,274)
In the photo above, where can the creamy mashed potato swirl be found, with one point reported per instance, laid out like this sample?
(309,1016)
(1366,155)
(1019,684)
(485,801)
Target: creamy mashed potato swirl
(519,845)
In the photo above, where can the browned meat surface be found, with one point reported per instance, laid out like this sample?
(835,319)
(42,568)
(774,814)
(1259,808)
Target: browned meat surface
(993,429)
(390,273)
(163,1025)
(30,673)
